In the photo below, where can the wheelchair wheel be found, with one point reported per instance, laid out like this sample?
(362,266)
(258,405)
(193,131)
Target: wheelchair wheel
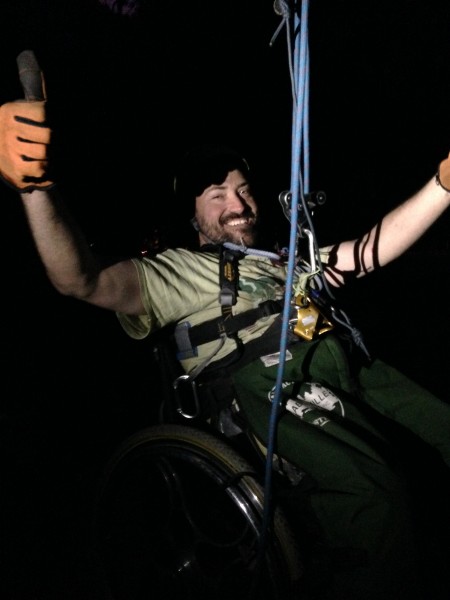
(178,516)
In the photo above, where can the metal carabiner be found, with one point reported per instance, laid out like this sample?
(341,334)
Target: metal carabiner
(185,378)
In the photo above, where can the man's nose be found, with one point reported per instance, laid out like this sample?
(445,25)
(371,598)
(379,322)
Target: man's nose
(236,203)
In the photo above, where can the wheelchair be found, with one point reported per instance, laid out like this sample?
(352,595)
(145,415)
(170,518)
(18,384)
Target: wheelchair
(179,511)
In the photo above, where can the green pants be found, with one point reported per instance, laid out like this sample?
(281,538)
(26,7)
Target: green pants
(352,435)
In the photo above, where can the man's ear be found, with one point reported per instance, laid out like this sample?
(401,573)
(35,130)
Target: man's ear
(194,224)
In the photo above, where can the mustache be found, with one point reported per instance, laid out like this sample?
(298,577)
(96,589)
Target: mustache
(246,214)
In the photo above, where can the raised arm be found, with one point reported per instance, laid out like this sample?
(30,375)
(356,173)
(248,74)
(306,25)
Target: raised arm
(393,235)
(70,264)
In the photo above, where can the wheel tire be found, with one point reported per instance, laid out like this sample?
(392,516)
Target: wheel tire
(178,515)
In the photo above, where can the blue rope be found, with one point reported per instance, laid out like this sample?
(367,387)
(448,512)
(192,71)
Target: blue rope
(299,187)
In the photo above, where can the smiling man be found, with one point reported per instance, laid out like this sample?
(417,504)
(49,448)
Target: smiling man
(344,417)
(218,180)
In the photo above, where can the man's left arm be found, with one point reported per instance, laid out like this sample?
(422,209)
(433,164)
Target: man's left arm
(393,235)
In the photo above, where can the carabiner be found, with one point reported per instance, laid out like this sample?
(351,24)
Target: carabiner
(185,378)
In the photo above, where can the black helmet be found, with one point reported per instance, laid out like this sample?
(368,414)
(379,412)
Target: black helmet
(204,166)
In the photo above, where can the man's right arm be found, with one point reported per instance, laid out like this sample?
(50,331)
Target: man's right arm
(72,267)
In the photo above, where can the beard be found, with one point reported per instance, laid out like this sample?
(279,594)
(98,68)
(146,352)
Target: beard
(221,232)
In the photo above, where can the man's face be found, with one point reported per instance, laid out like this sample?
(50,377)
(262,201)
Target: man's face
(227,212)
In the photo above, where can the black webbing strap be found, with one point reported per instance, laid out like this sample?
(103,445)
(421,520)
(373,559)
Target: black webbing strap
(229,280)
(268,343)
(229,286)
(188,338)
(206,332)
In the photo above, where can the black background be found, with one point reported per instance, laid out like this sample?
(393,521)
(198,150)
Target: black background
(128,95)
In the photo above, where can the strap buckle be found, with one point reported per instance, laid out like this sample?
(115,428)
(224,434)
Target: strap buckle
(185,349)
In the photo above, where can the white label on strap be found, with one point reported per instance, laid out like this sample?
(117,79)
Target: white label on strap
(273,359)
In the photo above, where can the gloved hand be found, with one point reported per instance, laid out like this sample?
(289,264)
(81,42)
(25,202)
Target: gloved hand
(24,134)
(443,174)
(24,140)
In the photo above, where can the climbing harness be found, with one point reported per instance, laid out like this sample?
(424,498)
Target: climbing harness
(228,325)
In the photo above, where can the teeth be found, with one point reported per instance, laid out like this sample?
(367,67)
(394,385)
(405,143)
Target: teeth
(237,222)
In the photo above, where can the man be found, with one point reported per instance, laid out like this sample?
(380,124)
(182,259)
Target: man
(344,422)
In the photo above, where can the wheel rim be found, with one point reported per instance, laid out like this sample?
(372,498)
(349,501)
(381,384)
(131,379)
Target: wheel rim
(173,522)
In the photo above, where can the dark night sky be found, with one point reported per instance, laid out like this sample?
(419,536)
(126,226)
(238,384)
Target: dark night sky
(130,94)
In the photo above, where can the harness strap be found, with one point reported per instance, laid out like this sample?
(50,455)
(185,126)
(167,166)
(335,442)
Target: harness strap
(209,331)
(229,280)
(188,338)
(267,343)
